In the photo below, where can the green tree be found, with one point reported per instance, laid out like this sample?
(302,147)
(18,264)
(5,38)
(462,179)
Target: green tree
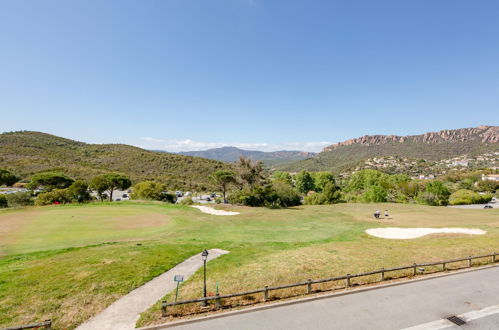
(375,194)
(49,180)
(304,182)
(250,173)
(321,179)
(435,193)
(281,176)
(109,183)
(331,194)
(153,191)
(7,178)
(223,178)
(78,192)
(364,179)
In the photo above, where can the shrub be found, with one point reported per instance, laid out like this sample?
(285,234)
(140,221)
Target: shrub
(375,194)
(153,191)
(330,195)
(435,194)
(19,199)
(278,194)
(187,201)
(3,201)
(56,195)
(465,196)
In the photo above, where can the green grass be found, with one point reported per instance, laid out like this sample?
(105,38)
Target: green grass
(69,262)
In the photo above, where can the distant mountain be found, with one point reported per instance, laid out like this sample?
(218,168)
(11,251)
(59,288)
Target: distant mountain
(431,146)
(26,153)
(232,154)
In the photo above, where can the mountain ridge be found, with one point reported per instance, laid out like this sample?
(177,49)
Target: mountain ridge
(232,154)
(344,156)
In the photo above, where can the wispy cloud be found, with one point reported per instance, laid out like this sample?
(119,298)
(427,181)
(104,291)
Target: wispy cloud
(174,145)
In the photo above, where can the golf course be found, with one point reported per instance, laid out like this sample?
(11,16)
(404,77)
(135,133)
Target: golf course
(69,262)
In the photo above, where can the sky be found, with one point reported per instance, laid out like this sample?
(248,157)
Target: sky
(182,75)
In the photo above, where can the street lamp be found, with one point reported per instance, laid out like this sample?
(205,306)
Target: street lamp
(204,255)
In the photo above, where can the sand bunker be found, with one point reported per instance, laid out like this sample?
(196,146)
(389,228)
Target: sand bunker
(211,210)
(410,233)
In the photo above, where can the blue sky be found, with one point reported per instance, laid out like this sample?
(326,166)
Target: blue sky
(259,74)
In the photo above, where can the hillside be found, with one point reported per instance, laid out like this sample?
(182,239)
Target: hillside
(433,146)
(232,154)
(26,153)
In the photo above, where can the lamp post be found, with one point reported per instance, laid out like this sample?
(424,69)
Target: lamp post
(204,255)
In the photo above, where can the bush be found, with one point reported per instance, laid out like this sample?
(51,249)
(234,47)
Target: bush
(375,194)
(76,193)
(435,194)
(464,196)
(187,201)
(488,186)
(56,195)
(278,194)
(153,191)
(330,195)
(3,201)
(19,199)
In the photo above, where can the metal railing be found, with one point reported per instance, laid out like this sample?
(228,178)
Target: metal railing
(347,278)
(45,325)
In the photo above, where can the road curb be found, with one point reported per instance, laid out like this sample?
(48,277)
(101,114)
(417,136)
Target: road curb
(313,298)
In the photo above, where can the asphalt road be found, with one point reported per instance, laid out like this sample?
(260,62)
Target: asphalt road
(421,304)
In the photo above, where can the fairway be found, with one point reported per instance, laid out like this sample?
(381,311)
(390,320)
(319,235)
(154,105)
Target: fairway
(67,263)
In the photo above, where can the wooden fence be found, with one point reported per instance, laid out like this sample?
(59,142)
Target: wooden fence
(45,325)
(308,284)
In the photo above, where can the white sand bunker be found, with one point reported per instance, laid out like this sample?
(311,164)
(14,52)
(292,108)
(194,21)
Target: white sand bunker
(410,233)
(211,210)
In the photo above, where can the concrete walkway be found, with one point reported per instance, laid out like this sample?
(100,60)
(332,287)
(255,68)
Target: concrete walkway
(423,304)
(123,313)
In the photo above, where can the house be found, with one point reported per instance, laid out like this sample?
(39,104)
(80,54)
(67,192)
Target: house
(491,177)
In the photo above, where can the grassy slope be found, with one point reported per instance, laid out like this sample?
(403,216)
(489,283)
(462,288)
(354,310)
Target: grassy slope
(26,153)
(67,263)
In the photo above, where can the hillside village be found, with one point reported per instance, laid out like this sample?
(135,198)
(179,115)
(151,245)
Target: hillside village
(424,169)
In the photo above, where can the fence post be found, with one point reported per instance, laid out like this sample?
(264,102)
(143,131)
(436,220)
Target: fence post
(494,257)
(48,324)
(348,280)
(218,303)
(382,274)
(266,293)
(309,286)
(469,261)
(163,308)
(443,266)
(415,265)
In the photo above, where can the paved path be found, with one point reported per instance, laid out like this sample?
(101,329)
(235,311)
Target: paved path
(123,313)
(424,303)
